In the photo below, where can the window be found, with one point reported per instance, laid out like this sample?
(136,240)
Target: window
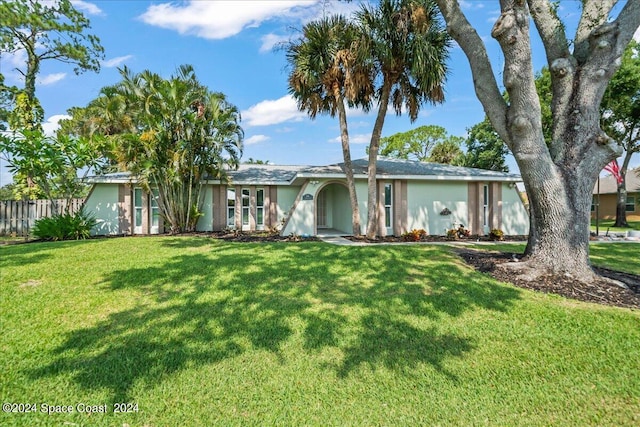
(321,206)
(137,210)
(631,204)
(260,208)
(231,207)
(245,206)
(155,211)
(485,205)
(387,205)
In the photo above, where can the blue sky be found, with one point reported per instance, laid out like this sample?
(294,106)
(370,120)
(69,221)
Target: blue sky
(231,45)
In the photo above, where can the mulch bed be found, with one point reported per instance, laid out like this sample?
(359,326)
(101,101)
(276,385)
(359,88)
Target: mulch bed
(600,292)
(398,239)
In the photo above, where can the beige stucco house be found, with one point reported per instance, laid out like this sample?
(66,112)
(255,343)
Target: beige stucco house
(314,200)
(605,193)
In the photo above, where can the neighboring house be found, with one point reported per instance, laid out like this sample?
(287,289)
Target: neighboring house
(313,200)
(608,196)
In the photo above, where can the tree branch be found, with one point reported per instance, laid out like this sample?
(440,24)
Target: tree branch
(594,14)
(484,81)
(550,28)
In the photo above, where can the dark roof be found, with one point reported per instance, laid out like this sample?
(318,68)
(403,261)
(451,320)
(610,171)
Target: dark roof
(251,174)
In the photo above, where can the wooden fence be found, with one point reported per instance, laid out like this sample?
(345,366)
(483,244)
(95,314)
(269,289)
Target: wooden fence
(17,217)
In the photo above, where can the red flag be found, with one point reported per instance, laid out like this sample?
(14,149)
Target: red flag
(615,171)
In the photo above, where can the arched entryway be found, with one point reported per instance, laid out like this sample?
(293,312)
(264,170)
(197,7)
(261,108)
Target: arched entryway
(333,209)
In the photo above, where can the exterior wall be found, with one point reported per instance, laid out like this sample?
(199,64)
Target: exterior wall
(608,207)
(425,201)
(205,222)
(103,203)
(515,218)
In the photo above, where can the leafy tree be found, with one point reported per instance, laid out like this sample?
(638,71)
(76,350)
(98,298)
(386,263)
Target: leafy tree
(621,117)
(7,192)
(415,144)
(181,133)
(253,161)
(407,45)
(48,166)
(48,30)
(448,152)
(7,95)
(485,149)
(558,176)
(324,75)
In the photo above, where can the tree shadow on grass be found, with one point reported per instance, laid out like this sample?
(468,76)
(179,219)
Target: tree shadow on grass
(210,306)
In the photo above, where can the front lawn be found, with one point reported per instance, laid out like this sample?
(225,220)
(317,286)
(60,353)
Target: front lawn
(194,331)
(605,224)
(624,256)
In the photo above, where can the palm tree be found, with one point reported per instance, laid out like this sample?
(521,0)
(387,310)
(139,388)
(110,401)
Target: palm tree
(408,45)
(180,133)
(324,75)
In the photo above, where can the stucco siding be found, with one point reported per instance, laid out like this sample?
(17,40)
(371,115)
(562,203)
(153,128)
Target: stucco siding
(425,201)
(515,218)
(205,222)
(103,203)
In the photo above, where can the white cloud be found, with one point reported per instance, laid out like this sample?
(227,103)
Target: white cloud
(52,124)
(361,138)
(273,112)
(636,36)
(50,79)
(271,40)
(256,139)
(114,62)
(218,19)
(90,8)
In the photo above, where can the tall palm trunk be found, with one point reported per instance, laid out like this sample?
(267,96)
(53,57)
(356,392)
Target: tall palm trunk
(374,147)
(348,167)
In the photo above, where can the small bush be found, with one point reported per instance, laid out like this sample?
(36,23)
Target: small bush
(458,233)
(65,226)
(496,234)
(414,235)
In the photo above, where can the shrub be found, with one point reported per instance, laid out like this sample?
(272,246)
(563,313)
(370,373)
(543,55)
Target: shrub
(496,234)
(65,226)
(414,235)
(458,233)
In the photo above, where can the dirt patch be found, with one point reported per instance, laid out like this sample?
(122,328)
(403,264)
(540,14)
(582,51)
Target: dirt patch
(257,236)
(600,291)
(30,283)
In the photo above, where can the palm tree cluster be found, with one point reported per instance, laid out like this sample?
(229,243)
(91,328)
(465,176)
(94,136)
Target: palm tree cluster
(171,134)
(393,54)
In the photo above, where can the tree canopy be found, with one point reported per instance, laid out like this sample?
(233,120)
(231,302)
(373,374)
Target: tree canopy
(48,31)
(171,134)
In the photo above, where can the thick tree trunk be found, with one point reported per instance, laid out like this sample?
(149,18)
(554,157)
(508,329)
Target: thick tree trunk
(560,224)
(374,146)
(621,207)
(348,167)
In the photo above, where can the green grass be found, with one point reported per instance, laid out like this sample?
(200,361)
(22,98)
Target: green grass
(201,332)
(615,256)
(608,223)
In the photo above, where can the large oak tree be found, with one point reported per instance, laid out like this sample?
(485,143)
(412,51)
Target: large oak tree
(558,177)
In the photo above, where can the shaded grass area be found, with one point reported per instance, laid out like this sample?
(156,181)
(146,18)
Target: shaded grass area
(615,256)
(202,332)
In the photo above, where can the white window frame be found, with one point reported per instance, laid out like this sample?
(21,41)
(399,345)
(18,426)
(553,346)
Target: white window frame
(388,206)
(485,205)
(246,207)
(260,209)
(231,207)
(154,211)
(630,206)
(138,210)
